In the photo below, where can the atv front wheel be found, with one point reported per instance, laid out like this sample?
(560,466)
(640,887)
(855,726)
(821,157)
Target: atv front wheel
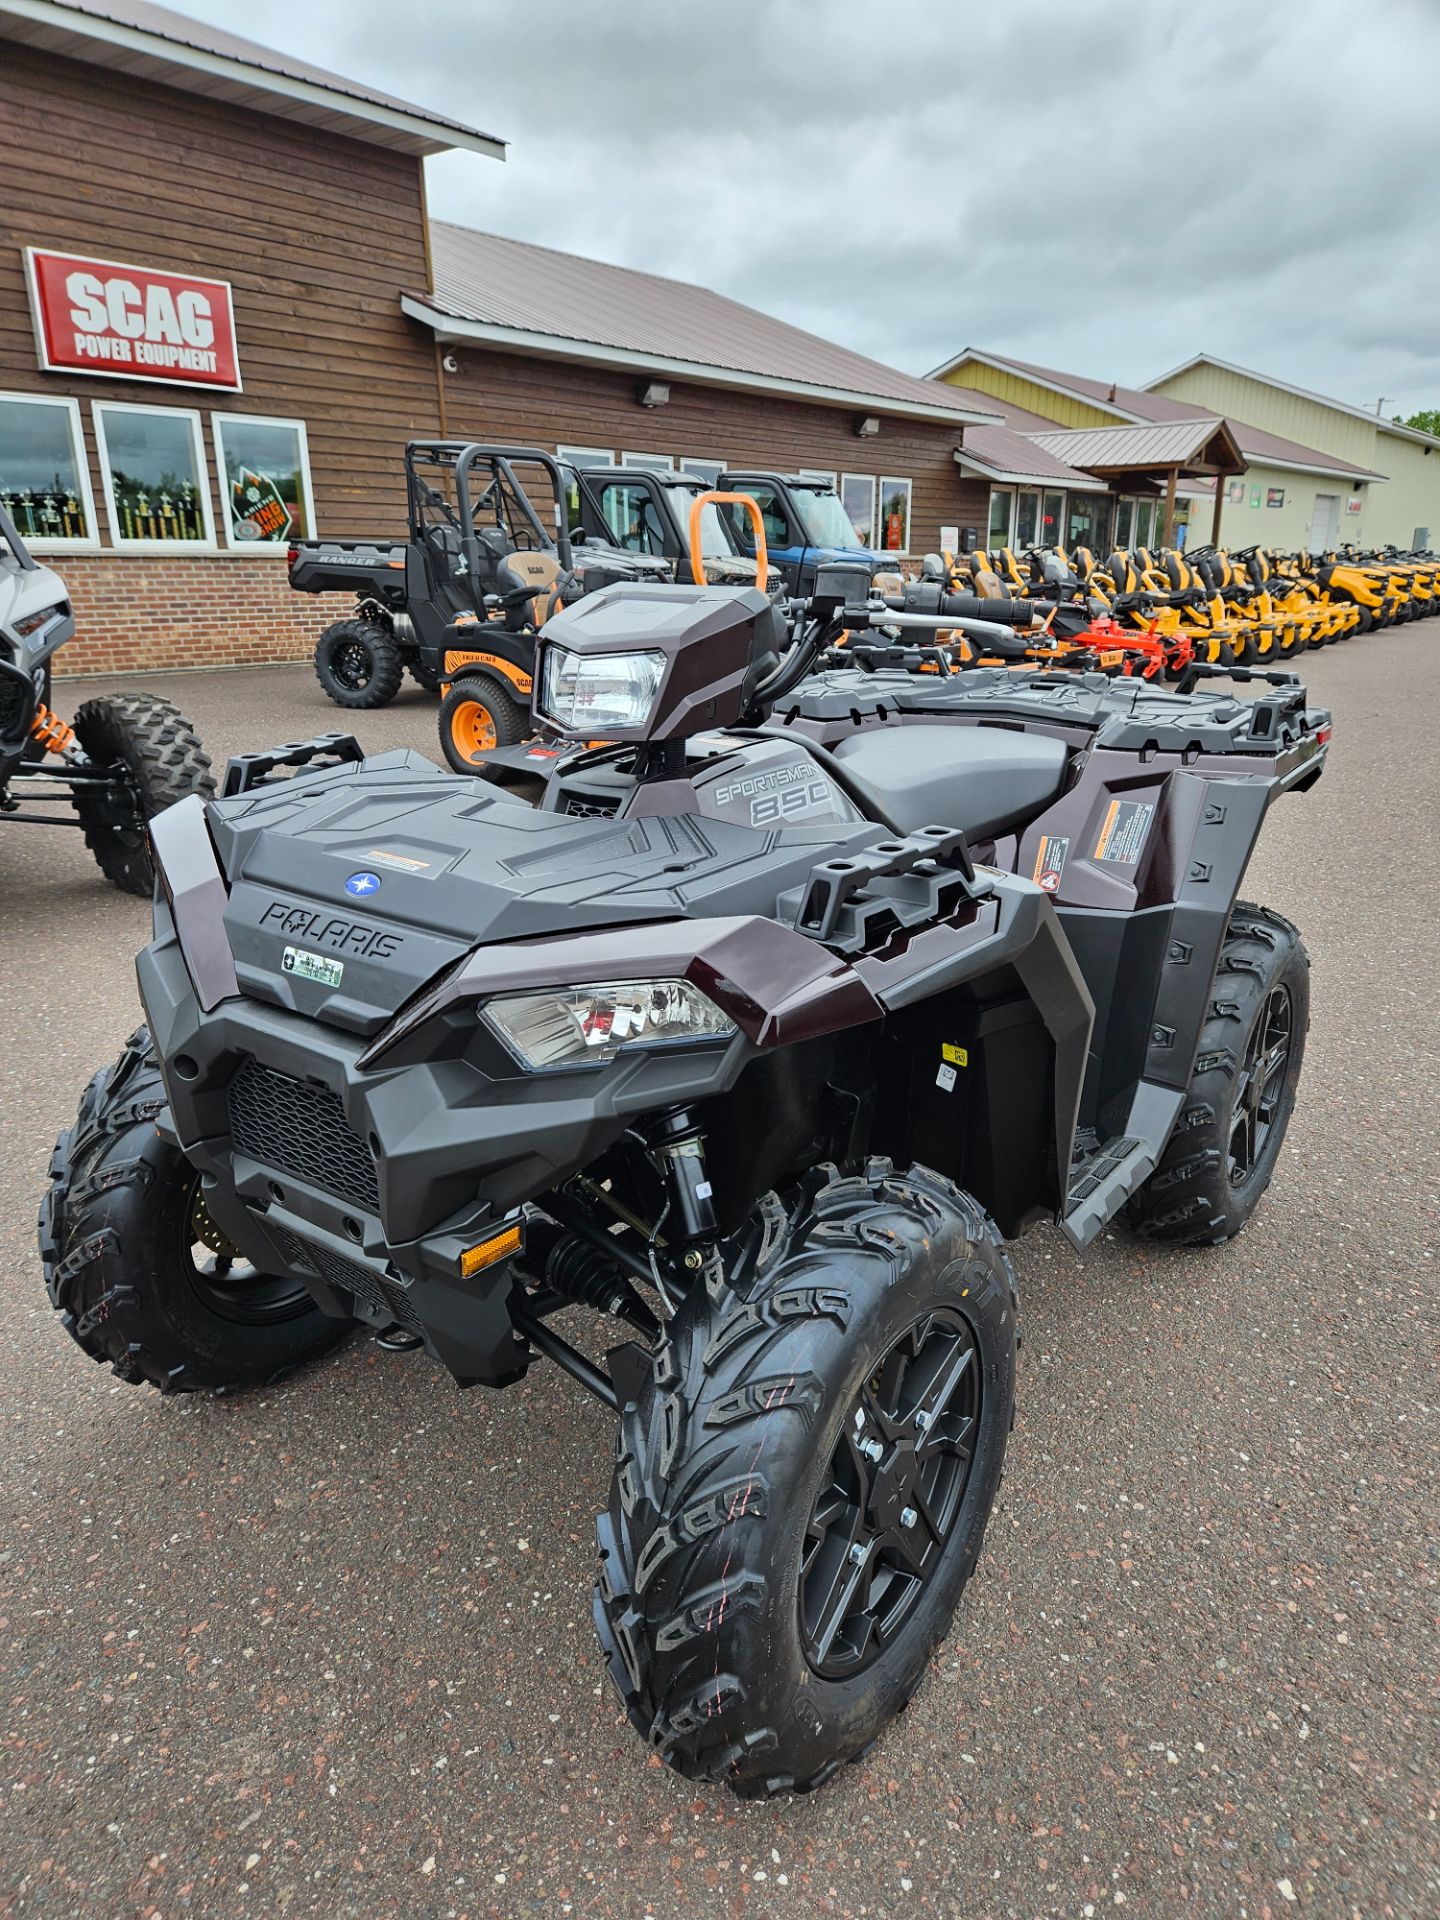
(358,664)
(803,1483)
(158,760)
(476,716)
(1223,1151)
(140,1273)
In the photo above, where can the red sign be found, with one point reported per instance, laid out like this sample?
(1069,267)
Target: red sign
(132,323)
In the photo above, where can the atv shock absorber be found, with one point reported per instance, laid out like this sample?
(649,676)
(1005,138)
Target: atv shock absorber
(52,733)
(678,1142)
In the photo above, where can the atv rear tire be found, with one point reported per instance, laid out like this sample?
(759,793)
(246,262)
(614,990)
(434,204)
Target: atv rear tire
(139,1272)
(161,761)
(1223,1151)
(359,664)
(476,716)
(786,1543)
(427,678)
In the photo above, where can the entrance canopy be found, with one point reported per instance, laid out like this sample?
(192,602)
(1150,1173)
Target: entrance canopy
(1161,452)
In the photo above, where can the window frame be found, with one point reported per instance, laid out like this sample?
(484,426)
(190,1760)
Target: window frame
(80,454)
(649,462)
(122,544)
(1008,495)
(261,420)
(689,461)
(887,481)
(866,539)
(604,456)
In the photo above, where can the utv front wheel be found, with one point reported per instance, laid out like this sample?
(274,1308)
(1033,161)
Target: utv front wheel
(1223,1151)
(358,664)
(803,1484)
(141,1275)
(157,759)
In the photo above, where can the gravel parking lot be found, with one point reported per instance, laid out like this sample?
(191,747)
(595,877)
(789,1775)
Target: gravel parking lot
(327,1649)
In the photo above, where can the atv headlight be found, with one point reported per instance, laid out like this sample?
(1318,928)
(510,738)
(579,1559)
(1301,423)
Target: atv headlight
(587,1026)
(588,693)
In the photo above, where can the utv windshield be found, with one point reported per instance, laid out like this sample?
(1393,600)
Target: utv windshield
(826,522)
(715,541)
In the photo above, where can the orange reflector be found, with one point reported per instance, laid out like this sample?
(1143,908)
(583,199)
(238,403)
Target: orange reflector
(499,1246)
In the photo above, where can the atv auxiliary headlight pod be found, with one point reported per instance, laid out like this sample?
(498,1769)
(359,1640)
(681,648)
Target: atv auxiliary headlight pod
(587,1026)
(588,693)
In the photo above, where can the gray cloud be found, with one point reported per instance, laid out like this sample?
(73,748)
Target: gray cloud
(1100,186)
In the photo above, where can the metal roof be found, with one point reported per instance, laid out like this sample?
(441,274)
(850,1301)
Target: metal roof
(1206,442)
(509,294)
(1376,420)
(1000,454)
(155,43)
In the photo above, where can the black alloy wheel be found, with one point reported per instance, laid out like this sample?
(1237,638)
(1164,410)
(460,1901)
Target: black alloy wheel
(894,1485)
(1262,1084)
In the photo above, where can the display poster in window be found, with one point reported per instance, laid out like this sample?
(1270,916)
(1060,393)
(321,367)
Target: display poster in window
(895,516)
(264,480)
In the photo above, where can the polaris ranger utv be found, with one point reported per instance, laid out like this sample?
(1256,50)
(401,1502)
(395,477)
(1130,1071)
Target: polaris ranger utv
(758,1038)
(806,526)
(478,553)
(126,757)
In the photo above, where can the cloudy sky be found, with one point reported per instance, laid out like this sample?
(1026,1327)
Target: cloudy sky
(1104,187)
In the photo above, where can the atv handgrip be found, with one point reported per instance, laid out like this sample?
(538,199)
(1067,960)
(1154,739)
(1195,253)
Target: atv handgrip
(697,508)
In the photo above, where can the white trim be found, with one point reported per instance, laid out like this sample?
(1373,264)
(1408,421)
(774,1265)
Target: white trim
(817,476)
(255,78)
(447,327)
(1376,420)
(98,410)
(252,547)
(649,462)
(78,453)
(1328,473)
(687,460)
(566,456)
(1000,477)
(127,373)
(1050,386)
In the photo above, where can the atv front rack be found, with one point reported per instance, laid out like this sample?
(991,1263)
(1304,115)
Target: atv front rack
(246,771)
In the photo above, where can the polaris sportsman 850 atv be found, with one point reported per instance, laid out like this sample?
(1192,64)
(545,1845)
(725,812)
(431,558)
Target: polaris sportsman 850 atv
(126,757)
(760,1036)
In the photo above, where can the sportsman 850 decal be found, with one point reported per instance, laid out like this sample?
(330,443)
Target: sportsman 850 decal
(779,793)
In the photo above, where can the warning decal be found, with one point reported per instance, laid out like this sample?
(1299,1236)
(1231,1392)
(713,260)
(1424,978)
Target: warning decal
(1050,861)
(1122,838)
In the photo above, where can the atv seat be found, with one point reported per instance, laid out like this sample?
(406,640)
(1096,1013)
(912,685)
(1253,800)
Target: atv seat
(985,780)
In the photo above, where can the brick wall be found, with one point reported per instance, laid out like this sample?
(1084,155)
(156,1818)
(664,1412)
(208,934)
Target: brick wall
(187,610)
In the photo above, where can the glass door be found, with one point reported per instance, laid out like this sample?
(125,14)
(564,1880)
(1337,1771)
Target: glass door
(1052,520)
(1002,513)
(1027,519)
(1124,524)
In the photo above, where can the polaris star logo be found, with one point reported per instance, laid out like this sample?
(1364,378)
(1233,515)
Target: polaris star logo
(363,883)
(345,936)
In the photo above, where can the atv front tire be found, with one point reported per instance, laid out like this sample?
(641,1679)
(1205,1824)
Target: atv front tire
(803,1483)
(359,664)
(476,716)
(160,760)
(1222,1154)
(137,1269)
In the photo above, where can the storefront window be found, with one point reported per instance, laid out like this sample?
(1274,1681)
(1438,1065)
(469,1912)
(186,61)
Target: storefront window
(580,457)
(1144,519)
(707,470)
(857,495)
(152,467)
(1124,524)
(648,462)
(1027,519)
(1085,522)
(895,516)
(1052,520)
(1002,508)
(44,485)
(264,468)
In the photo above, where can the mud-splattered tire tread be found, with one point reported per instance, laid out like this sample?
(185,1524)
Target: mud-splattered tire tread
(1188,1200)
(108,1178)
(166,763)
(725,1430)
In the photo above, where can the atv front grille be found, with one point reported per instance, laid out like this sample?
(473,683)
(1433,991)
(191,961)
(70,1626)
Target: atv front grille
(301,1129)
(365,1287)
(17,700)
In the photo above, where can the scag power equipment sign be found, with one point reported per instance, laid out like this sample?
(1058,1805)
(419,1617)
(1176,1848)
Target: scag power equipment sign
(132,323)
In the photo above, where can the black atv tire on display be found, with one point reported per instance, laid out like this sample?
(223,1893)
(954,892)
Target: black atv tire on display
(138,1270)
(162,761)
(1223,1151)
(477,715)
(766,1497)
(359,664)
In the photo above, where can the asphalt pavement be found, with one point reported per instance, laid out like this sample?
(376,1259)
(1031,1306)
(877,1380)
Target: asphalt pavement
(326,1649)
